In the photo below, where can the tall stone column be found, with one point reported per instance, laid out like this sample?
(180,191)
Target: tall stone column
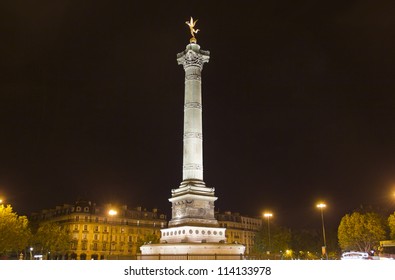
(192,59)
(193,229)
(193,202)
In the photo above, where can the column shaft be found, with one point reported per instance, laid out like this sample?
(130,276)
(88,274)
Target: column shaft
(192,59)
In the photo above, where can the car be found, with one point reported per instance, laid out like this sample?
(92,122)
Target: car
(355,256)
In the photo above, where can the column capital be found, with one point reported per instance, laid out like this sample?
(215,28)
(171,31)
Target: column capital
(193,56)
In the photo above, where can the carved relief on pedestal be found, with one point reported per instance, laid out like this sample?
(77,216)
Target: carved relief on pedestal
(189,208)
(179,209)
(202,212)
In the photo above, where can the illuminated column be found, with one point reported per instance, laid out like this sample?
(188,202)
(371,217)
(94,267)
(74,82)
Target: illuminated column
(193,201)
(192,59)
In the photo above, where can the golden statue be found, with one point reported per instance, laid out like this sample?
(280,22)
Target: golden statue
(191,25)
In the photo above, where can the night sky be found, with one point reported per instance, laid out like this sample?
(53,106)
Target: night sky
(298,104)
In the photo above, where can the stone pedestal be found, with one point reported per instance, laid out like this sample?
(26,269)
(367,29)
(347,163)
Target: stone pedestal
(193,234)
(193,204)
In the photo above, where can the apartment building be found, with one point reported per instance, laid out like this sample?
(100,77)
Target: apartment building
(239,229)
(103,232)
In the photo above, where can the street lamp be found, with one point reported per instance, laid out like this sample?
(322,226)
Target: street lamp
(321,206)
(268,216)
(111,213)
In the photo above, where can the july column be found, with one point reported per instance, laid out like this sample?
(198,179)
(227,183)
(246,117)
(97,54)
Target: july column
(192,59)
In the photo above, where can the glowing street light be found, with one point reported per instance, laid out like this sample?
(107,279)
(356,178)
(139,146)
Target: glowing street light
(268,216)
(322,206)
(112,212)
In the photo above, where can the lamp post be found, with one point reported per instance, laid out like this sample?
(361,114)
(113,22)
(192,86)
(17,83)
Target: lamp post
(111,213)
(321,206)
(268,216)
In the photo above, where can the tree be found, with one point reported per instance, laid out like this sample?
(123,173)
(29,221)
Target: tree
(391,224)
(280,239)
(52,240)
(14,231)
(361,232)
(259,243)
(306,243)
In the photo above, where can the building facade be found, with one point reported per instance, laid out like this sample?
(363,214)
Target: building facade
(239,229)
(95,234)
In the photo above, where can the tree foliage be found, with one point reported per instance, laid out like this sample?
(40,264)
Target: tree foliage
(14,231)
(51,239)
(391,224)
(361,232)
(306,243)
(280,239)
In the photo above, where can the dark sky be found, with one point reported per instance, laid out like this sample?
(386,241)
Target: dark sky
(298,104)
